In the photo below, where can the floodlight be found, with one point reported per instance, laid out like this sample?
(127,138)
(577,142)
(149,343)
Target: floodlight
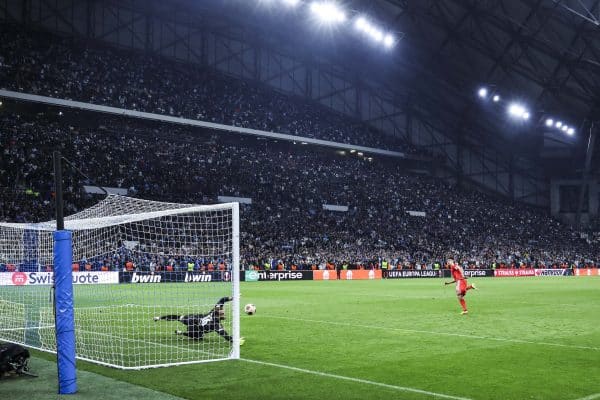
(360,23)
(328,12)
(518,111)
(558,124)
(483,92)
(549,122)
(570,131)
(377,35)
(496,98)
(564,128)
(352,151)
(360,153)
(389,40)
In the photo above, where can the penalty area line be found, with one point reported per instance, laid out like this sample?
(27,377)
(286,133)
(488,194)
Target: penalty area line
(571,346)
(358,380)
(591,397)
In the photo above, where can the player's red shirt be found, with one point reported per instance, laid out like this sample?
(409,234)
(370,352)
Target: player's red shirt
(457,273)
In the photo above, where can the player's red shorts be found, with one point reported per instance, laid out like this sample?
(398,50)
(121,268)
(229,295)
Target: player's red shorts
(461,286)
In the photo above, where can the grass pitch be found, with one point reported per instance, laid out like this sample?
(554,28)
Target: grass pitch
(524,338)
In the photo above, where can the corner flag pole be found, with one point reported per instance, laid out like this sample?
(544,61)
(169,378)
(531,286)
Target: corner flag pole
(63,292)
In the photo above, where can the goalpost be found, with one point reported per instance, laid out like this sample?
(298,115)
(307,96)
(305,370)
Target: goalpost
(137,259)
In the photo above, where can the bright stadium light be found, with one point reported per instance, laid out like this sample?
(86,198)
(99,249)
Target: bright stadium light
(389,40)
(483,92)
(561,126)
(328,12)
(496,98)
(360,23)
(377,35)
(517,110)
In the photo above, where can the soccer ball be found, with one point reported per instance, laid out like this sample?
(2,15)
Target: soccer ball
(250,309)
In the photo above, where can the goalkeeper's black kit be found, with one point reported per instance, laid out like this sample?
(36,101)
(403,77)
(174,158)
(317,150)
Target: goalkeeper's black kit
(199,324)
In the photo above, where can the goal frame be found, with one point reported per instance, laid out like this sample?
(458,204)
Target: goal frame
(63,267)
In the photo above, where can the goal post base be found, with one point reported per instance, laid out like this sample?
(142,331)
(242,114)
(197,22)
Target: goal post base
(64,315)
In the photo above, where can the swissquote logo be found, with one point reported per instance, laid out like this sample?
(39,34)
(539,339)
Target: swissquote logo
(19,278)
(139,278)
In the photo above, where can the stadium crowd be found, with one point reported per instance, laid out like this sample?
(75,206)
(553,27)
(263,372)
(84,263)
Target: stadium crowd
(286,223)
(40,63)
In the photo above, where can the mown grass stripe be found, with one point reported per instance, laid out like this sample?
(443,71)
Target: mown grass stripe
(358,380)
(572,346)
(591,397)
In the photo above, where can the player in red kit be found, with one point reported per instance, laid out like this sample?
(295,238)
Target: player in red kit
(461,283)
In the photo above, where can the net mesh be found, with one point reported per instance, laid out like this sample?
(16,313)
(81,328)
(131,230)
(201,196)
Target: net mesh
(133,260)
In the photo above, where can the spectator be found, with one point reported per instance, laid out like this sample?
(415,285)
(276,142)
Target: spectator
(286,220)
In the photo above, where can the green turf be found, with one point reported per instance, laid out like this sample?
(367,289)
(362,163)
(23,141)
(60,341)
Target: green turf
(524,338)
(91,386)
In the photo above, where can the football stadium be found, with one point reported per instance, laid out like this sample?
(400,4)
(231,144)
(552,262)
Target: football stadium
(300,199)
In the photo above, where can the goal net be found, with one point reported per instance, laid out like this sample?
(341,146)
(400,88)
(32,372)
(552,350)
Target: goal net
(133,260)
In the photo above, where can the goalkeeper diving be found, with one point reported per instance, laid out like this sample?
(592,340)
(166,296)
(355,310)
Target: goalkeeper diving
(200,324)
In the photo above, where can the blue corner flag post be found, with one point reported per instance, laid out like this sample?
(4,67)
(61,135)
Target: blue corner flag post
(65,320)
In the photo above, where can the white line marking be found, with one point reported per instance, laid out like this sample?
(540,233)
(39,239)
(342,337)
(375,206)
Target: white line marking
(571,346)
(554,304)
(358,380)
(591,397)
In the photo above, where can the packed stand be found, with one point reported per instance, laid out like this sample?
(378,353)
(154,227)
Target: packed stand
(43,64)
(286,223)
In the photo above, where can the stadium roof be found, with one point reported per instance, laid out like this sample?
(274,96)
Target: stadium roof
(547,50)
(544,52)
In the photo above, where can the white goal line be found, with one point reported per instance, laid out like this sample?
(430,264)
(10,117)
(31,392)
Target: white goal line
(27,328)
